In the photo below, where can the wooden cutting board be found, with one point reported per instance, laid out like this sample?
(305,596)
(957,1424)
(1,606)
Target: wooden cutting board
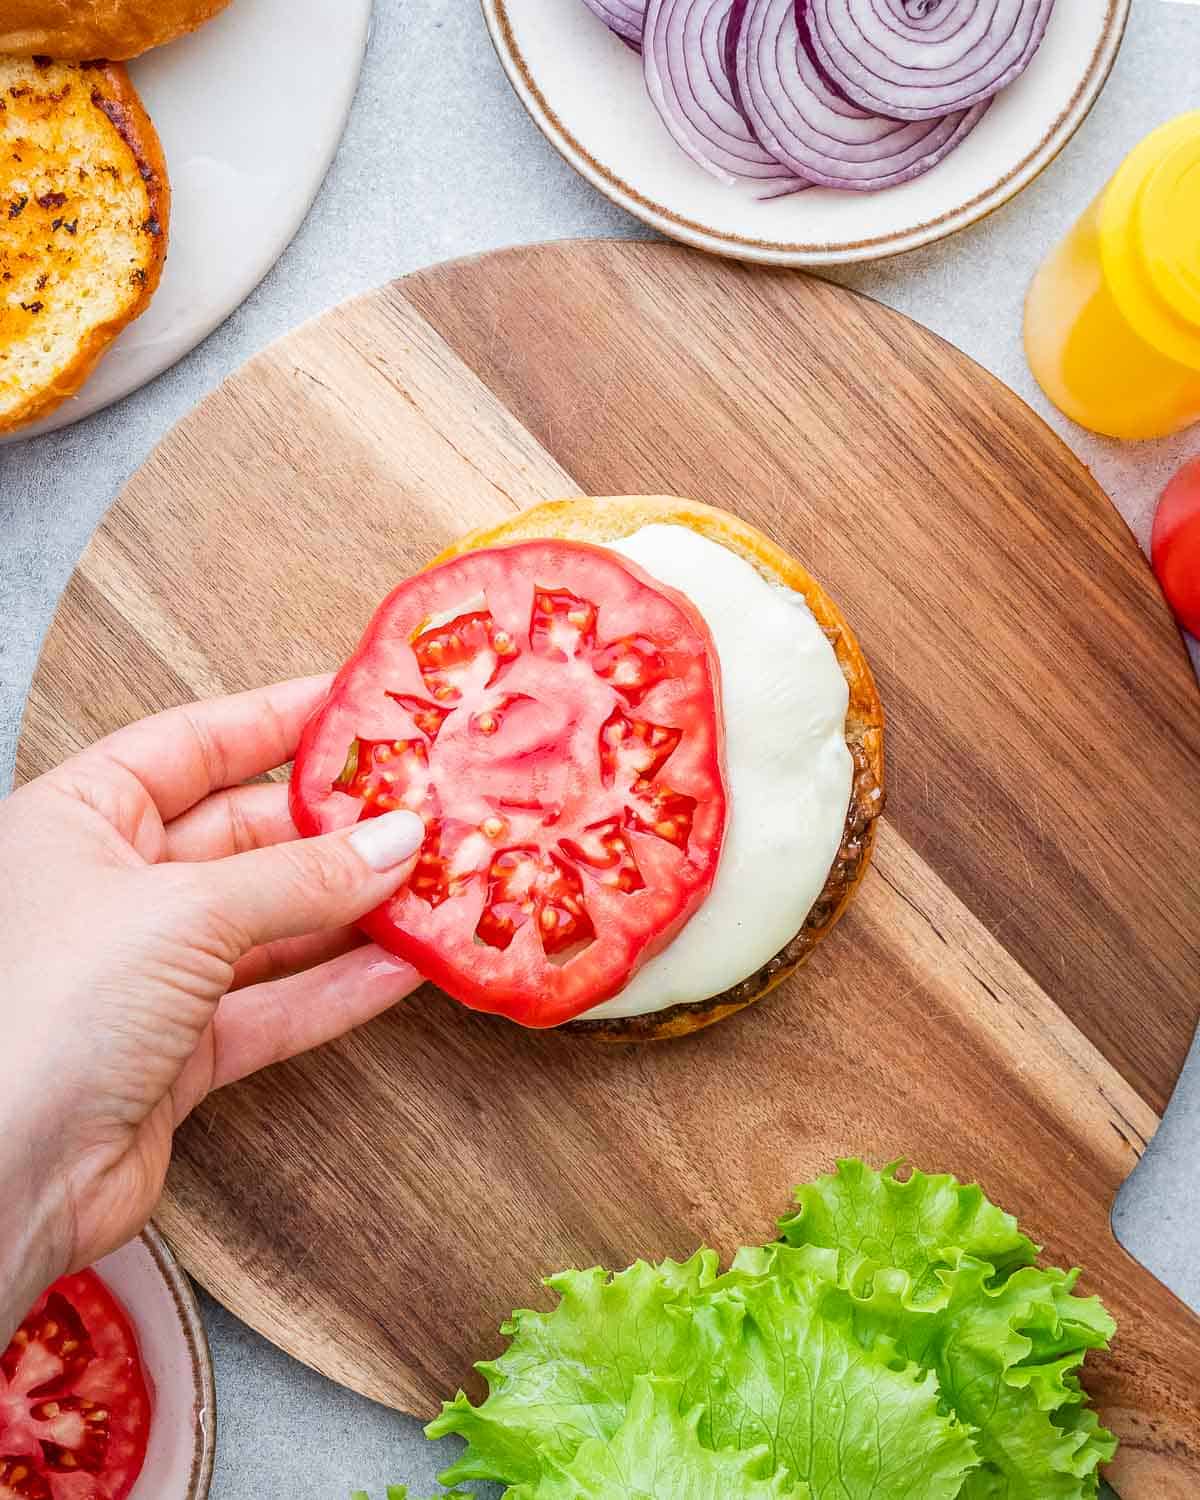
(1014,992)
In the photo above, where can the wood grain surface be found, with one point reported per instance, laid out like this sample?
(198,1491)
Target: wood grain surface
(1014,992)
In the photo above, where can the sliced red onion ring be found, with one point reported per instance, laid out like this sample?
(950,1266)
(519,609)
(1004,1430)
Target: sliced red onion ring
(921,59)
(683,59)
(625,17)
(804,123)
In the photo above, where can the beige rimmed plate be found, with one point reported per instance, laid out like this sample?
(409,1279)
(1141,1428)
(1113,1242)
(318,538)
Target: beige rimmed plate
(584,89)
(160,1302)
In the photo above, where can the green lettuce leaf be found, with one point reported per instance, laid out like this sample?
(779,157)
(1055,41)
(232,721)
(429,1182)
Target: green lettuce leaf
(917,1225)
(899,1341)
(568,1375)
(1003,1336)
(777,1362)
(758,1355)
(656,1454)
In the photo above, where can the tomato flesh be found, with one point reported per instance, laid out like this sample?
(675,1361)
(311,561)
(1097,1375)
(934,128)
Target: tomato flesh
(1175,545)
(74,1406)
(554,716)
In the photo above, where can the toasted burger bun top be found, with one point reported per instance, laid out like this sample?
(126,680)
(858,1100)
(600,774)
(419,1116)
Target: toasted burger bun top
(606,519)
(86,207)
(81,30)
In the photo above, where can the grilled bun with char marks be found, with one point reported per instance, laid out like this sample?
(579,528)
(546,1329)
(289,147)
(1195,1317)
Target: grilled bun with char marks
(84,207)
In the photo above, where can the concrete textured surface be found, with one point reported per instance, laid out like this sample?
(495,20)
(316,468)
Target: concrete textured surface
(439,160)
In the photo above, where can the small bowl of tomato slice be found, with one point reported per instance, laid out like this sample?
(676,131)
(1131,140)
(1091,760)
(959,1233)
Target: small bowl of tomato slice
(106,1389)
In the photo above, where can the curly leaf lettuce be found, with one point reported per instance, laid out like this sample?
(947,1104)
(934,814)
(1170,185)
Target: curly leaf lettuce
(776,1361)
(760,1357)
(1003,1336)
(913,1225)
(899,1341)
(568,1375)
(656,1454)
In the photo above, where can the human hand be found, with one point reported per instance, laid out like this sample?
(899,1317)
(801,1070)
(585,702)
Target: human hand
(166,933)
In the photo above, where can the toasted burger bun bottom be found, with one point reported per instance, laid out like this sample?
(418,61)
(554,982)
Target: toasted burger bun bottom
(607,519)
(82,30)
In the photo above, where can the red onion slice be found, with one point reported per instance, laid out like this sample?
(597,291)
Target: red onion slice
(683,59)
(804,123)
(920,59)
(625,17)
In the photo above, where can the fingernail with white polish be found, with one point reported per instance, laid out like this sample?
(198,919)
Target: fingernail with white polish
(389,840)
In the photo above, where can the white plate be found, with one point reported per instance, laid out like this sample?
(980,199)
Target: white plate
(584,89)
(159,1300)
(250,110)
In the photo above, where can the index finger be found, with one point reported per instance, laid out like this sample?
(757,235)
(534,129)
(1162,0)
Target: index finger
(182,755)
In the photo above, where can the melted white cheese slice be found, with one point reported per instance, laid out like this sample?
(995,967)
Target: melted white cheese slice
(789,771)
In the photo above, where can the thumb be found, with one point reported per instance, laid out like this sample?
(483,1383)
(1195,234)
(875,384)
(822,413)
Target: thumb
(309,885)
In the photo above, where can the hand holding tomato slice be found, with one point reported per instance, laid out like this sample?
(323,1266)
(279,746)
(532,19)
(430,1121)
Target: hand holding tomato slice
(74,1407)
(1175,546)
(168,933)
(553,714)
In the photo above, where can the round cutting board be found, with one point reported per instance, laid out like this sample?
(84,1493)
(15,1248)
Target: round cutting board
(1012,995)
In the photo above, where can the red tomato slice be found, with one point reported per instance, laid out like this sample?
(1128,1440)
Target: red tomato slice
(1175,545)
(554,715)
(74,1408)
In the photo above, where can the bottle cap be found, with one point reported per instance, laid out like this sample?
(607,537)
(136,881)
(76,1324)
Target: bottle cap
(1150,239)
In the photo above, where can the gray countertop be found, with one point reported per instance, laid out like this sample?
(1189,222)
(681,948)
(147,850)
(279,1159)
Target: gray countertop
(439,161)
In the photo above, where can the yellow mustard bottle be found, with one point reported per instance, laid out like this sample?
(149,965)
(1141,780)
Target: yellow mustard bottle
(1112,319)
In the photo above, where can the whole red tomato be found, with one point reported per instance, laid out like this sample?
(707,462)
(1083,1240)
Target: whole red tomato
(1175,545)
